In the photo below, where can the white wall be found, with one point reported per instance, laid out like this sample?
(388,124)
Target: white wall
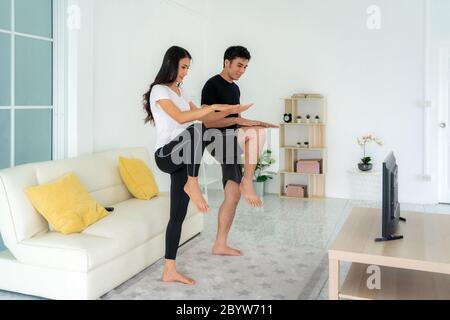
(130,40)
(374,80)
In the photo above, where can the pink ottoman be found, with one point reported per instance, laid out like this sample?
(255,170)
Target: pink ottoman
(296,190)
(309,166)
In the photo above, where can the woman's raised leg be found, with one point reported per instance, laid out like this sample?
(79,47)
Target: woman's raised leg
(186,151)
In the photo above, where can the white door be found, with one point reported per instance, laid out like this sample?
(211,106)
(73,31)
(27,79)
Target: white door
(444,126)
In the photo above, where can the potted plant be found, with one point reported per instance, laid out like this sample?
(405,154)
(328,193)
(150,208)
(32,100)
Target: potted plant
(365,164)
(317,119)
(308,118)
(261,175)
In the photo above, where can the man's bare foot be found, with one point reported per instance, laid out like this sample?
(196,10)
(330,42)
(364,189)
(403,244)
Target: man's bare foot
(226,251)
(176,277)
(193,191)
(248,191)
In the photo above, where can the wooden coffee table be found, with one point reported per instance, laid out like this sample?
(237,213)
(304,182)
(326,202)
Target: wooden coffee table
(416,267)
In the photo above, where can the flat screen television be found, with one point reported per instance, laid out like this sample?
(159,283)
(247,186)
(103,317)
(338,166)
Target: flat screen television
(391,206)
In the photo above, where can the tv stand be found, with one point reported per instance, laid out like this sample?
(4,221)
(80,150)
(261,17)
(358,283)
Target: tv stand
(417,269)
(391,237)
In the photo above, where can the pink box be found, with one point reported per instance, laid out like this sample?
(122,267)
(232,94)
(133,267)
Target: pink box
(309,166)
(296,190)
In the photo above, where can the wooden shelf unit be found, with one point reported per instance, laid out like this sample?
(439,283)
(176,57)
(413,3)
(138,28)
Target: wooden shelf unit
(312,132)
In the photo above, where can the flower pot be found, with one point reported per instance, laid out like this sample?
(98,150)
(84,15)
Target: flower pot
(365,167)
(259,188)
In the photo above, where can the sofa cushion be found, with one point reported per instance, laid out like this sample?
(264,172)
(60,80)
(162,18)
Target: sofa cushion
(132,223)
(65,204)
(74,252)
(135,221)
(138,178)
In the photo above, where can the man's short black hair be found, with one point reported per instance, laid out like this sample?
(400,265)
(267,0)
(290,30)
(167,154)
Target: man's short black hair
(236,52)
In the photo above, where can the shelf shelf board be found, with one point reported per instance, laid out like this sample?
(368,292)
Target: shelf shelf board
(403,284)
(303,124)
(304,149)
(304,99)
(302,174)
(299,198)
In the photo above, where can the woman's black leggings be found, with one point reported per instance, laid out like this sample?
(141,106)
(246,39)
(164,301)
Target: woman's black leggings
(192,141)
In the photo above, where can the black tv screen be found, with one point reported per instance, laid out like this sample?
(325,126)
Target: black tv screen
(390,206)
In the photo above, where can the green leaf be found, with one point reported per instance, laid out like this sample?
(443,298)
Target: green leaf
(261,179)
(366,160)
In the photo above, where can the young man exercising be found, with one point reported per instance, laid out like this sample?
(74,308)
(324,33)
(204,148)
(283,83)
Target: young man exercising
(248,137)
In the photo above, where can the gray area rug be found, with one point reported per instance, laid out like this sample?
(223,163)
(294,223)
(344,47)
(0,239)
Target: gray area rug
(263,273)
(285,256)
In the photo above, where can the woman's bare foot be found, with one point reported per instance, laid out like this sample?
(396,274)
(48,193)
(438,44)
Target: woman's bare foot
(226,251)
(192,189)
(249,193)
(173,276)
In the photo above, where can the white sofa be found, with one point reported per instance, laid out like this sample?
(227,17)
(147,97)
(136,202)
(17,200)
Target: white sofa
(87,265)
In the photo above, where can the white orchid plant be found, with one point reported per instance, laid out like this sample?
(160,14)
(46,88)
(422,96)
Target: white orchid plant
(362,141)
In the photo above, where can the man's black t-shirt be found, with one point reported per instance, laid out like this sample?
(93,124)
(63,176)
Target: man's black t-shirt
(217,90)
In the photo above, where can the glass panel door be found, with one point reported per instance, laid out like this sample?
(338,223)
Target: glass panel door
(33,131)
(5,14)
(5,67)
(5,139)
(33,72)
(26,82)
(34,17)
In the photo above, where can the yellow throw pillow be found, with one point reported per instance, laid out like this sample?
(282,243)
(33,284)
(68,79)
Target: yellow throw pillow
(138,178)
(66,205)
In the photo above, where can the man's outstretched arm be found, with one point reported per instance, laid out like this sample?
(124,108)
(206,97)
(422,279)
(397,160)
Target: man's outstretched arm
(223,123)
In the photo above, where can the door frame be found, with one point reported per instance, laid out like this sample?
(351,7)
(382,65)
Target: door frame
(443,117)
(59,80)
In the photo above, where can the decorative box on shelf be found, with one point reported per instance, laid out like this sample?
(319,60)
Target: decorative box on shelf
(312,166)
(296,190)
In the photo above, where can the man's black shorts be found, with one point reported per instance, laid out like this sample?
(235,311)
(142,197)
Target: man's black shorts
(230,161)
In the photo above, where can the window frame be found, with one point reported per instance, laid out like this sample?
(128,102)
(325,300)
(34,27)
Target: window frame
(58,106)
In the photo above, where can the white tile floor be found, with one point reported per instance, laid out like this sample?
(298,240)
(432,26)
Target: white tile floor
(285,249)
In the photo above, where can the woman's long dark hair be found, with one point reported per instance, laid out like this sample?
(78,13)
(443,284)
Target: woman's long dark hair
(166,75)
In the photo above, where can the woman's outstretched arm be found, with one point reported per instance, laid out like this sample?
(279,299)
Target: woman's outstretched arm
(188,116)
(213,117)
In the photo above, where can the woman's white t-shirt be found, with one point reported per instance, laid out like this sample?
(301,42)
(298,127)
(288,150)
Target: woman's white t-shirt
(167,128)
